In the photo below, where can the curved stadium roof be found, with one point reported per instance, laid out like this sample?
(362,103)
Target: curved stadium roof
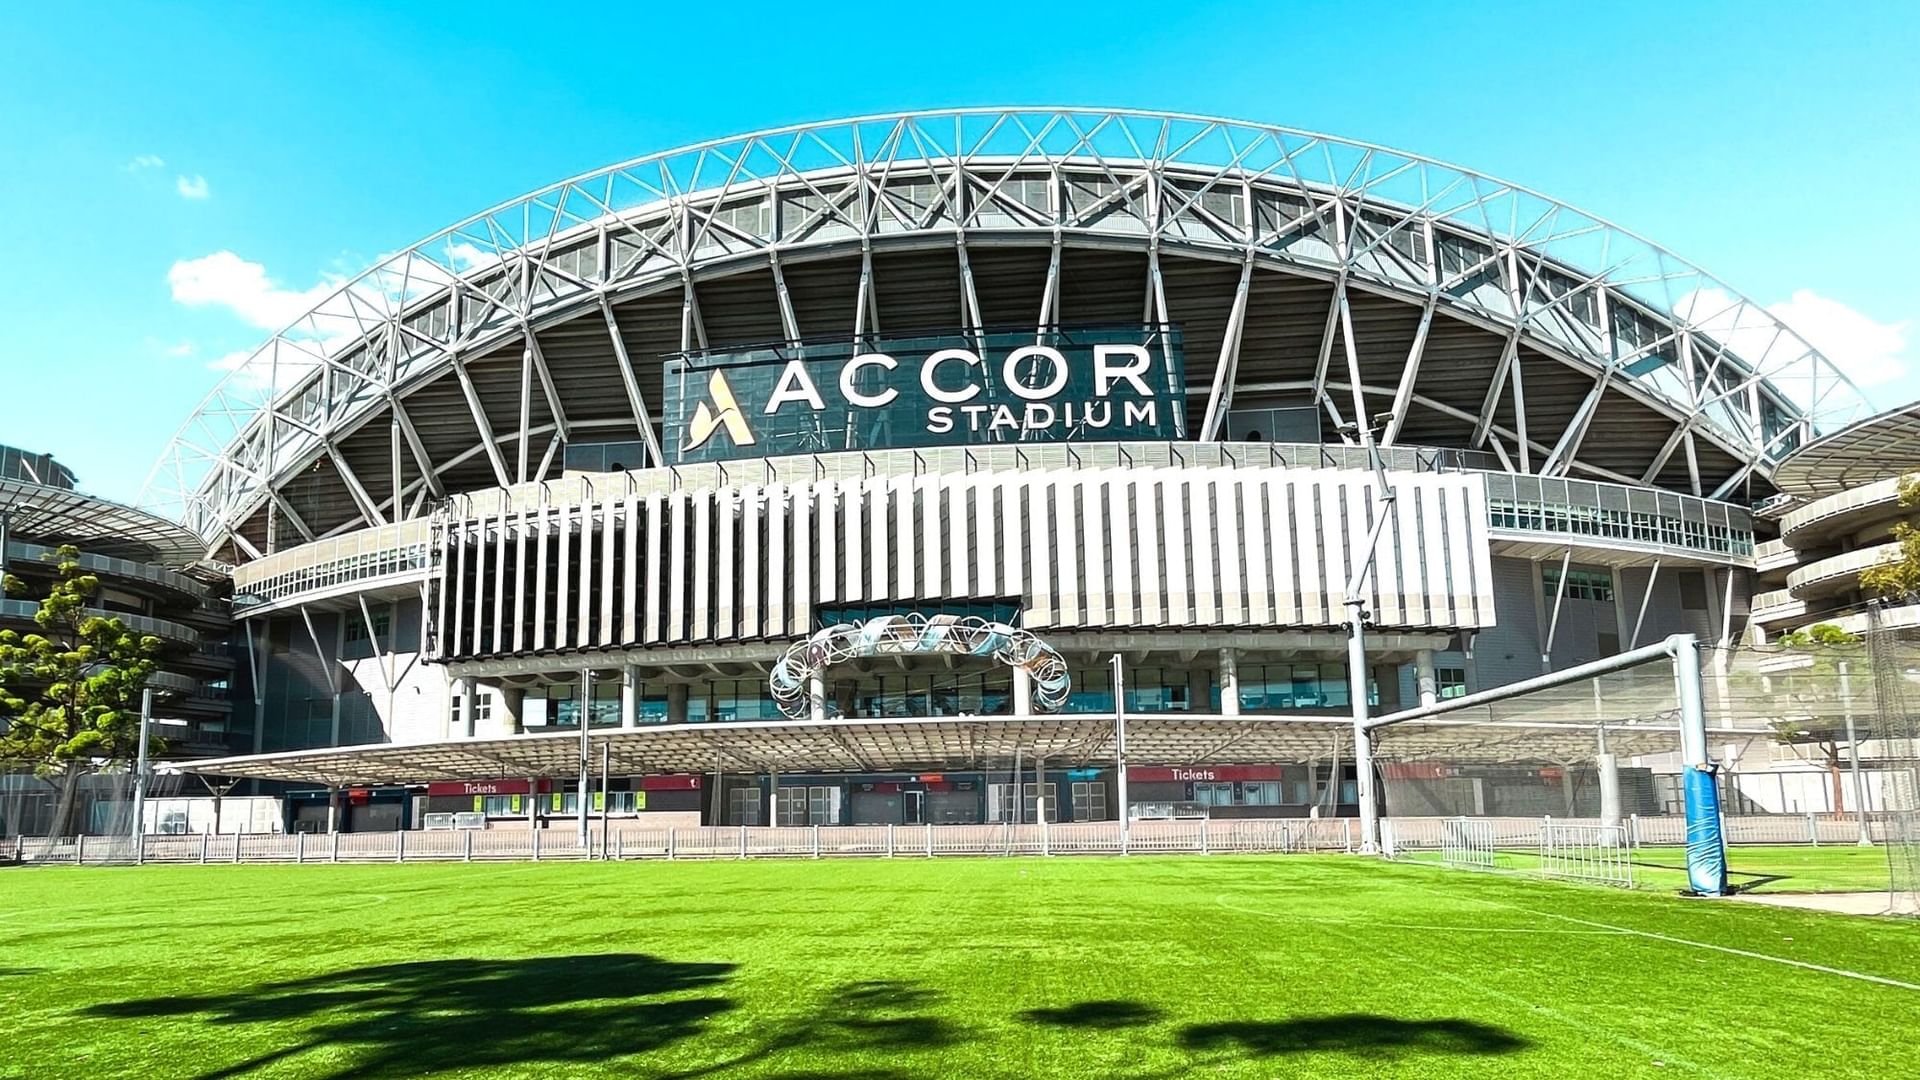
(1305,269)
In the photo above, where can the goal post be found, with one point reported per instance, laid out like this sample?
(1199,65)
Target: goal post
(1542,758)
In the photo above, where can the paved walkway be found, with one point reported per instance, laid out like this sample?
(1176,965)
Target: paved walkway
(1855,903)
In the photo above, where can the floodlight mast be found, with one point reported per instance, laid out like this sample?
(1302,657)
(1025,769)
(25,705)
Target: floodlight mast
(1357,658)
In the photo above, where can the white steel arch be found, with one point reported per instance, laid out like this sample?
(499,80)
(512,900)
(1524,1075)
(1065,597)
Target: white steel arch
(1370,221)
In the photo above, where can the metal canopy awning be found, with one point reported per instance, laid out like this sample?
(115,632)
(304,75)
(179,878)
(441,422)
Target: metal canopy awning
(931,744)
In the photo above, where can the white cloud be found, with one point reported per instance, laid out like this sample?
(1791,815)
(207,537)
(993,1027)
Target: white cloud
(144,161)
(192,187)
(224,279)
(1869,352)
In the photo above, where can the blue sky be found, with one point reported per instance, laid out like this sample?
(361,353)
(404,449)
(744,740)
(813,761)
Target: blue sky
(1774,145)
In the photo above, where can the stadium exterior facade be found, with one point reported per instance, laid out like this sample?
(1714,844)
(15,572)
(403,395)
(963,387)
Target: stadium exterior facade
(1115,381)
(150,579)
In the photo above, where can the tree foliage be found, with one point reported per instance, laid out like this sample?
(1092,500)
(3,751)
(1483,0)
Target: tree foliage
(70,691)
(1807,697)
(1898,577)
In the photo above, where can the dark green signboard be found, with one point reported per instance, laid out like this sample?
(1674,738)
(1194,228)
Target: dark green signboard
(955,388)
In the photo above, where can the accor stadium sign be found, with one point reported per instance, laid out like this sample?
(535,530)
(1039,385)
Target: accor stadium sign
(949,389)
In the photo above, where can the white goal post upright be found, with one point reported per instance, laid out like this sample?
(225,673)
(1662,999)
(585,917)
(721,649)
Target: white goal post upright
(1706,848)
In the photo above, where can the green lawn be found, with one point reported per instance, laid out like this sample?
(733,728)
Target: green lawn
(1751,869)
(1152,967)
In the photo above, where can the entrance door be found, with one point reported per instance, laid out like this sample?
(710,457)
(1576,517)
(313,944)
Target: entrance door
(915,809)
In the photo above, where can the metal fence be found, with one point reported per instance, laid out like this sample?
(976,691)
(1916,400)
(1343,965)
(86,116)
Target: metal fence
(1270,836)
(1598,854)
(1523,833)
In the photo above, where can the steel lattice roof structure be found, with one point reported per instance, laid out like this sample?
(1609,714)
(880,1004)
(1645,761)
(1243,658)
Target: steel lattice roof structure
(1463,310)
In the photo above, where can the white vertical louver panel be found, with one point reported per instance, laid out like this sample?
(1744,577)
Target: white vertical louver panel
(653,624)
(726,564)
(700,605)
(773,620)
(541,635)
(1121,530)
(679,519)
(1226,541)
(879,496)
(609,536)
(852,536)
(1199,528)
(1010,556)
(1038,565)
(822,503)
(1252,543)
(900,574)
(458,532)
(807,559)
(1179,546)
(520,583)
(630,571)
(583,586)
(498,586)
(1282,537)
(563,579)
(1355,503)
(927,496)
(1068,548)
(1150,596)
(1309,529)
(477,596)
(1096,585)
(1388,564)
(752,499)
(956,496)
(1478,553)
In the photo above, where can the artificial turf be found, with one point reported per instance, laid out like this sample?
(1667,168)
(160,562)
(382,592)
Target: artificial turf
(876,970)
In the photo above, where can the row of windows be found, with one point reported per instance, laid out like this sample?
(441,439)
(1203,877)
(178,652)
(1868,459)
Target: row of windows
(562,803)
(1581,584)
(1613,524)
(371,564)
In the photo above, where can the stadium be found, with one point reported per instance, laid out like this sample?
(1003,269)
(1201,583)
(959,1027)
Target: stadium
(999,483)
(631,447)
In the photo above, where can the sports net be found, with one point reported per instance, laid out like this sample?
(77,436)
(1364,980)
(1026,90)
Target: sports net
(1554,782)
(1893,652)
(1815,742)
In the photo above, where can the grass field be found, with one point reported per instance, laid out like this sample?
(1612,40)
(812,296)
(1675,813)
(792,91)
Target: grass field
(881,970)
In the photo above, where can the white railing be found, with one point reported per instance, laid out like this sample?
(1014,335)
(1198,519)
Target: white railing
(630,840)
(636,841)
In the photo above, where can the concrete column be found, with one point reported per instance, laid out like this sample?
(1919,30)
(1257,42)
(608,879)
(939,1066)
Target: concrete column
(1199,689)
(677,703)
(1229,683)
(533,802)
(817,697)
(629,696)
(1039,790)
(1022,692)
(773,798)
(585,797)
(1426,681)
(514,701)
(469,689)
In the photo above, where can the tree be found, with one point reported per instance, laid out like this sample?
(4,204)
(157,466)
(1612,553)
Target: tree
(70,693)
(1898,577)
(1809,691)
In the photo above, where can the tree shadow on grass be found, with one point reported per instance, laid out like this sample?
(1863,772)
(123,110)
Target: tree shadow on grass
(1354,1033)
(407,1019)
(1098,1015)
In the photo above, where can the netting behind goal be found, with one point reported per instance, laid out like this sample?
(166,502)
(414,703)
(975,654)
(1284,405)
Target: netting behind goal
(1558,781)
(1894,653)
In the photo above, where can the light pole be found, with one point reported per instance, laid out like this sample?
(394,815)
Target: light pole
(1357,661)
(140,778)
